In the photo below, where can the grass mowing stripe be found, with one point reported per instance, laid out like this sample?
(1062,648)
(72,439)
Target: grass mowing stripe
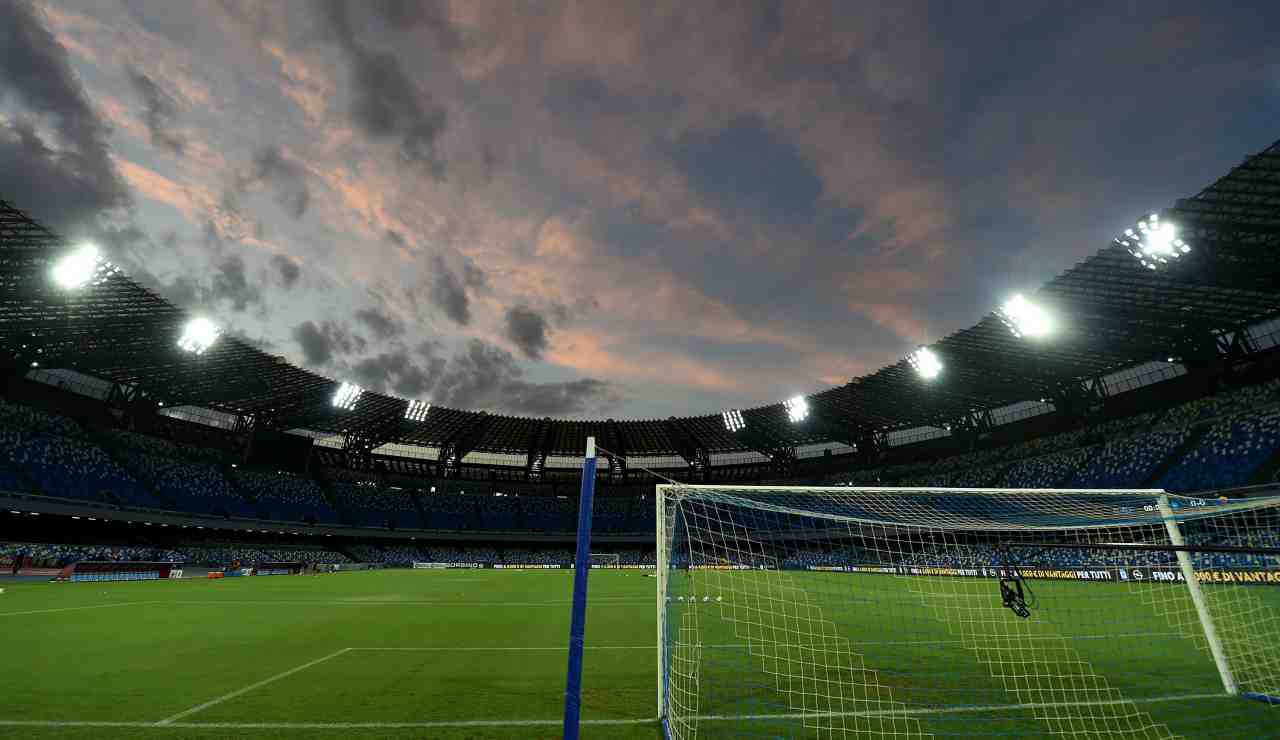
(250,687)
(553,722)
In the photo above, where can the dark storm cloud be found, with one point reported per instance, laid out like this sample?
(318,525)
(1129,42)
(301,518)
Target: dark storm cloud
(581,99)
(288,180)
(161,112)
(483,376)
(479,375)
(183,292)
(449,292)
(427,14)
(387,103)
(322,342)
(73,181)
(382,325)
(746,169)
(287,269)
(230,284)
(473,276)
(399,373)
(527,329)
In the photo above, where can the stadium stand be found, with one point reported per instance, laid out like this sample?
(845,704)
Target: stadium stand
(368,503)
(184,475)
(75,468)
(1221,441)
(286,497)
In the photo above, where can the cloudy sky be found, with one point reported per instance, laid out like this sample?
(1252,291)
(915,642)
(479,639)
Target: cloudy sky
(626,209)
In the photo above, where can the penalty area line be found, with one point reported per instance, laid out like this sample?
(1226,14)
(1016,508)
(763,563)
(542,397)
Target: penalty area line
(247,689)
(76,608)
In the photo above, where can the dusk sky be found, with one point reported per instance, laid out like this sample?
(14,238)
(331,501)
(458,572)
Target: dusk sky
(616,209)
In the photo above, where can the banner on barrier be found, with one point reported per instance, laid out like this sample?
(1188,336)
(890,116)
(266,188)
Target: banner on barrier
(1133,574)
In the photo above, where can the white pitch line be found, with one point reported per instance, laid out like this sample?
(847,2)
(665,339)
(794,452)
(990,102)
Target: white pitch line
(328,725)
(76,608)
(959,710)
(250,687)
(554,722)
(241,602)
(518,648)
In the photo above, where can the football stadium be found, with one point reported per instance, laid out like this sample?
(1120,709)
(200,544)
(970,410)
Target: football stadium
(1062,520)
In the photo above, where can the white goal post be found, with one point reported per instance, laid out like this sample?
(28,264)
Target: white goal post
(846,612)
(605,559)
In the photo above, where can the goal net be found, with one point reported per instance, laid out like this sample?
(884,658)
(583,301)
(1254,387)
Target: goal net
(880,612)
(605,559)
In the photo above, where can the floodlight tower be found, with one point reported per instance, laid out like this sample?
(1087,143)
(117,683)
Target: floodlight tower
(1154,243)
(926,363)
(83,267)
(199,335)
(417,410)
(1025,318)
(797,409)
(347,395)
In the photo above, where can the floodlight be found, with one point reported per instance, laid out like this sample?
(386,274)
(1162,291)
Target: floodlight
(925,362)
(1025,319)
(797,409)
(199,335)
(85,266)
(347,396)
(417,411)
(1155,243)
(733,420)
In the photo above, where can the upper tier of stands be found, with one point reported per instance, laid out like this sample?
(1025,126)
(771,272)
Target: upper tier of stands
(1227,440)
(1222,441)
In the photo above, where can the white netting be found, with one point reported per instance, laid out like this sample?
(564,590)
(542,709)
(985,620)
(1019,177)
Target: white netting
(841,613)
(605,559)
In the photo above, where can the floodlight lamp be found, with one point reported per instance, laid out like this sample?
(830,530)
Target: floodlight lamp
(417,410)
(347,396)
(733,420)
(797,409)
(199,335)
(1025,319)
(926,363)
(85,266)
(1154,244)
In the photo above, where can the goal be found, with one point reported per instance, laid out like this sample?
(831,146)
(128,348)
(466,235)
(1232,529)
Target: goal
(605,559)
(925,612)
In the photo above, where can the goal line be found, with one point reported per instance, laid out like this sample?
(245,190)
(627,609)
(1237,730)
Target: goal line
(462,723)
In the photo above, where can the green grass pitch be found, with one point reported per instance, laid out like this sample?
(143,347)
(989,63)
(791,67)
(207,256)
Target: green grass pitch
(472,654)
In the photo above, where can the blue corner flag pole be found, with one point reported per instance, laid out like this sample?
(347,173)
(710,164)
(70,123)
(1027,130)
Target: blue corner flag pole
(578,625)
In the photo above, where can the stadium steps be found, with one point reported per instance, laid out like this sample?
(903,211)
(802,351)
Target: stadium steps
(1267,471)
(423,520)
(112,448)
(335,501)
(1000,474)
(1190,443)
(33,486)
(234,484)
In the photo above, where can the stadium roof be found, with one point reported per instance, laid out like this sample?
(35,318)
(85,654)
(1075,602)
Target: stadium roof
(1115,314)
